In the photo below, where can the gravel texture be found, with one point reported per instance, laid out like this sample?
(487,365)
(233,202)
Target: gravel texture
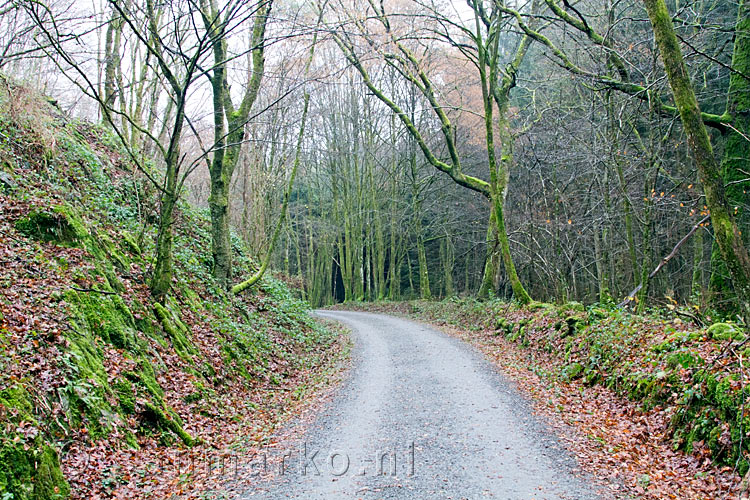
(455,426)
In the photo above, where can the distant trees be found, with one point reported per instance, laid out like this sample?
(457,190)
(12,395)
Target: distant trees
(392,48)
(170,54)
(556,116)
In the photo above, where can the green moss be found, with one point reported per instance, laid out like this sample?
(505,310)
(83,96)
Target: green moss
(597,313)
(106,316)
(165,419)
(130,242)
(146,378)
(125,395)
(131,441)
(724,331)
(572,371)
(503,325)
(538,306)
(571,326)
(49,481)
(176,330)
(59,224)
(29,469)
(565,309)
(520,333)
(110,252)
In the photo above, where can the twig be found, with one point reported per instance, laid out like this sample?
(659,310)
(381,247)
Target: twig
(695,319)
(665,260)
(103,292)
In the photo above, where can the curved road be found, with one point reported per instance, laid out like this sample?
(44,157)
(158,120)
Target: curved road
(422,416)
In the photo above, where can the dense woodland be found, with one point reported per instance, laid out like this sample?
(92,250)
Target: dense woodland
(546,150)
(182,181)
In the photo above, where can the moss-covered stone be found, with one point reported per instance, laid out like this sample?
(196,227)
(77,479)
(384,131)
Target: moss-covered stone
(106,316)
(724,331)
(538,306)
(568,307)
(597,313)
(49,482)
(125,395)
(165,419)
(60,224)
(108,251)
(29,469)
(571,326)
(176,330)
(130,242)
(503,325)
(147,378)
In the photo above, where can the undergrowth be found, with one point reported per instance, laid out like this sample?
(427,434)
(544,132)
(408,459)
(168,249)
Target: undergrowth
(85,355)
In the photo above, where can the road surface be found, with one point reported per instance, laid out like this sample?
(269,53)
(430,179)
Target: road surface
(422,416)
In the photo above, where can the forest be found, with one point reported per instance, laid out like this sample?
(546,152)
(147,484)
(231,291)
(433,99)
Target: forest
(535,150)
(201,173)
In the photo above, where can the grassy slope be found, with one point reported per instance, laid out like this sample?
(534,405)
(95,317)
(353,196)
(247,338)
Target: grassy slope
(96,381)
(692,376)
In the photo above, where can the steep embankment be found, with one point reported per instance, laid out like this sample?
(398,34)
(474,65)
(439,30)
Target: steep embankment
(658,404)
(98,384)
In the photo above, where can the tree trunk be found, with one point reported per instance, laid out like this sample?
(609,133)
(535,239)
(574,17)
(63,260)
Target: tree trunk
(424,276)
(229,129)
(448,263)
(727,235)
(735,163)
(491,264)
(112,43)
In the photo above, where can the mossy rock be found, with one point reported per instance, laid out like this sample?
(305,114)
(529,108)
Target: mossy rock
(572,371)
(130,242)
(106,316)
(539,306)
(503,325)
(571,326)
(29,469)
(724,331)
(59,224)
(125,395)
(167,420)
(519,334)
(597,313)
(565,309)
(108,252)
(146,377)
(176,330)
(49,481)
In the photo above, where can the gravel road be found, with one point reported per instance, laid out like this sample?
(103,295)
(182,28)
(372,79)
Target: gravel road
(422,416)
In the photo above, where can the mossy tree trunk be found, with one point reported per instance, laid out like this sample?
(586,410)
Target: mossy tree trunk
(229,123)
(736,160)
(448,263)
(161,281)
(498,93)
(735,163)
(725,229)
(112,42)
(424,275)
(491,262)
